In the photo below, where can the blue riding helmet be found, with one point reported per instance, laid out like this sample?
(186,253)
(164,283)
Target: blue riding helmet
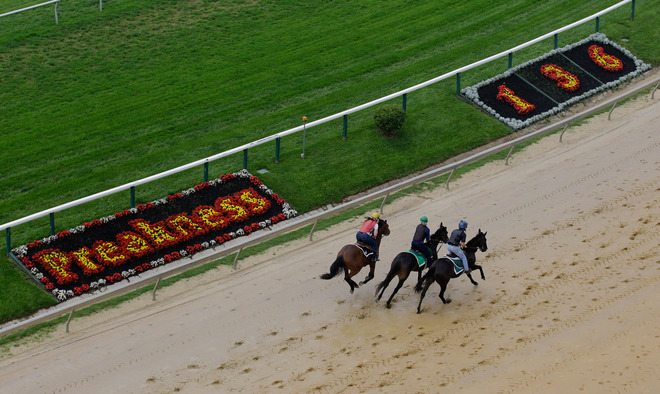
(462,225)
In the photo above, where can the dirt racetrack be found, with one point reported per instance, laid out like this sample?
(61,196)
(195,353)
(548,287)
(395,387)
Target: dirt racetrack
(571,300)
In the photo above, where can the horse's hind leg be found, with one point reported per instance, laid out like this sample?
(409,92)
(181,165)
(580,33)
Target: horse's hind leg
(350,282)
(443,287)
(396,289)
(384,285)
(428,284)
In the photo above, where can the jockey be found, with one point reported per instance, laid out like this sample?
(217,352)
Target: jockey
(456,244)
(422,233)
(368,232)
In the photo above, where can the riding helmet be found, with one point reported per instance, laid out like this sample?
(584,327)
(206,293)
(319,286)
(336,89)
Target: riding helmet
(375,215)
(424,219)
(462,225)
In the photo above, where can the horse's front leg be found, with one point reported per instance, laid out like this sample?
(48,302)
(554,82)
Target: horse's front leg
(471,280)
(370,275)
(480,270)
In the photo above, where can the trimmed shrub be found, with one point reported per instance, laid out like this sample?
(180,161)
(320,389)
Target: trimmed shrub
(389,118)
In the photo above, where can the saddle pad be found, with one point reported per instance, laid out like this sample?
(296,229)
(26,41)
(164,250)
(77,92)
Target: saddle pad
(421,260)
(366,250)
(458,264)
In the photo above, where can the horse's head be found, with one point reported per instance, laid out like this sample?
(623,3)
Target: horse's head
(482,245)
(383,227)
(440,235)
(478,242)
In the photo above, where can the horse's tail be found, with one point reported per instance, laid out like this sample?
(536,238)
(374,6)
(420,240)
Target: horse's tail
(335,268)
(427,277)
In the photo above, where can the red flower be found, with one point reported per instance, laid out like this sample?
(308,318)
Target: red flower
(34,244)
(508,95)
(608,62)
(201,186)
(145,206)
(63,234)
(255,181)
(565,80)
(174,196)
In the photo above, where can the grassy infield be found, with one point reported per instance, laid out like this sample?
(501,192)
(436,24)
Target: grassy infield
(108,97)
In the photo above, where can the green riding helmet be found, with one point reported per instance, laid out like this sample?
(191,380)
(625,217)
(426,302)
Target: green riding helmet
(424,219)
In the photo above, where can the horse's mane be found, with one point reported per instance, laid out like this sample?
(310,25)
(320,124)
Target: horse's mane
(474,242)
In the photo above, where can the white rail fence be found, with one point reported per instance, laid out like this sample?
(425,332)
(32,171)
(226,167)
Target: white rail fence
(56,2)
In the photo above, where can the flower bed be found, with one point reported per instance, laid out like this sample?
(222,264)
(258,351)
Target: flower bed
(116,247)
(553,82)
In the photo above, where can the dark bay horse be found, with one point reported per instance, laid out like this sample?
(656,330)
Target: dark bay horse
(405,262)
(351,259)
(442,270)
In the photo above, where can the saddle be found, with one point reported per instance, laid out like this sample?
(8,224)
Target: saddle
(366,249)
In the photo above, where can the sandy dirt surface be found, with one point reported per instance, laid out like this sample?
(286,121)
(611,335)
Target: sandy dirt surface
(571,300)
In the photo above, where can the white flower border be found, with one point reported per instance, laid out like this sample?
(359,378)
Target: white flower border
(471,92)
(63,295)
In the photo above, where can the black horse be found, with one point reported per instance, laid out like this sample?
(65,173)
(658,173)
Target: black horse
(406,262)
(442,270)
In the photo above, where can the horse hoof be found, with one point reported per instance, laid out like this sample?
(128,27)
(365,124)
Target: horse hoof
(388,306)
(418,311)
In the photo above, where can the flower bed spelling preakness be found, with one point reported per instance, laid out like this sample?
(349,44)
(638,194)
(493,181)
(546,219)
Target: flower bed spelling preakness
(553,82)
(116,247)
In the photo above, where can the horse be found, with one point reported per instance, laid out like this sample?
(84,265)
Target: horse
(351,259)
(442,270)
(405,262)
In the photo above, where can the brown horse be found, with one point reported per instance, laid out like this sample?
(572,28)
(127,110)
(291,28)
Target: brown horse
(405,262)
(351,259)
(442,270)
